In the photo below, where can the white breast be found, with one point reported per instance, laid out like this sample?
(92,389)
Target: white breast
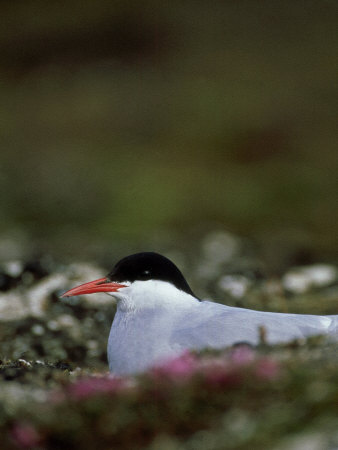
(140,335)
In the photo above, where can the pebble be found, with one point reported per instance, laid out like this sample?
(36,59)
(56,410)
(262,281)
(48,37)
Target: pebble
(38,295)
(66,321)
(13,268)
(234,285)
(53,325)
(12,306)
(93,348)
(92,344)
(70,323)
(24,363)
(299,280)
(38,330)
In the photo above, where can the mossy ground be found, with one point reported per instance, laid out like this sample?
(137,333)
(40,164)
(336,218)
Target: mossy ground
(56,391)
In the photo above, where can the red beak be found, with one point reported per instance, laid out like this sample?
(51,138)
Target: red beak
(100,285)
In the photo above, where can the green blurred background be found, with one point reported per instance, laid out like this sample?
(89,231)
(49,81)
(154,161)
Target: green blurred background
(123,120)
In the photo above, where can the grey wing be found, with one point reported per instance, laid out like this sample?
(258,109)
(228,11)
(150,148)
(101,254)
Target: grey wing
(217,326)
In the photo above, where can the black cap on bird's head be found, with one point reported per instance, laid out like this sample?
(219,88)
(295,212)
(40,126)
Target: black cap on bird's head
(149,266)
(137,267)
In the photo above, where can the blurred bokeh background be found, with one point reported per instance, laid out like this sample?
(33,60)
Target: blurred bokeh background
(136,121)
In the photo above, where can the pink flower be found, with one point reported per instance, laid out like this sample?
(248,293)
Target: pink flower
(94,386)
(182,366)
(267,369)
(242,355)
(25,435)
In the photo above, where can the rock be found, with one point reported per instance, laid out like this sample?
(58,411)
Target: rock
(24,363)
(16,305)
(13,306)
(299,280)
(234,285)
(13,268)
(38,295)
(38,330)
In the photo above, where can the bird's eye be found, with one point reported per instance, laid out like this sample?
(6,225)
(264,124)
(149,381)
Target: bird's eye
(145,274)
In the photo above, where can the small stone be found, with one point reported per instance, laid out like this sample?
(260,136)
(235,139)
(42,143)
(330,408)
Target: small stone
(91,344)
(38,295)
(76,371)
(13,268)
(66,321)
(301,279)
(38,330)
(12,306)
(24,363)
(53,325)
(234,285)
(71,324)
(322,275)
(297,283)
(93,348)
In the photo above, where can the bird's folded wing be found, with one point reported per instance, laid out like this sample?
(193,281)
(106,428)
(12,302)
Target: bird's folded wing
(214,325)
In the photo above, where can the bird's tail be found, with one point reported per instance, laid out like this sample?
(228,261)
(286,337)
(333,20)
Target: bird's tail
(333,329)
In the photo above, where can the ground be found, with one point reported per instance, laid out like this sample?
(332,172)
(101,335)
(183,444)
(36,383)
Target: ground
(56,391)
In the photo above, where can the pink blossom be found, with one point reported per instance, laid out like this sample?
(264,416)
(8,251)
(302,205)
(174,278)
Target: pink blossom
(93,386)
(267,369)
(242,355)
(25,435)
(182,366)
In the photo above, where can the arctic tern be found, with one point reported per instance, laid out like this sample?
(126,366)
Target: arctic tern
(158,316)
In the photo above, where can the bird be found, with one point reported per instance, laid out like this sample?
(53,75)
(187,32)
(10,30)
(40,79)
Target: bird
(158,317)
